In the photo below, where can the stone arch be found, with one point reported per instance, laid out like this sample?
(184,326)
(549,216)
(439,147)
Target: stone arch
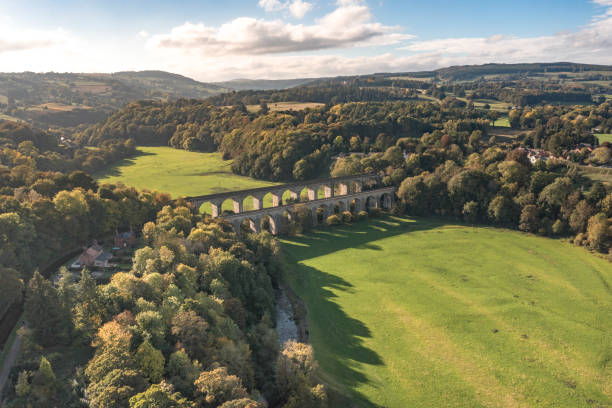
(322,212)
(271,199)
(248,225)
(269,223)
(250,202)
(325,191)
(205,208)
(339,207)
(291,196)
(371,202)
(285,222)
(307,194)
(356,186)
(230,206)
(385,201)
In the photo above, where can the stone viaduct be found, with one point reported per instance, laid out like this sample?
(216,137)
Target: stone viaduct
(338,194)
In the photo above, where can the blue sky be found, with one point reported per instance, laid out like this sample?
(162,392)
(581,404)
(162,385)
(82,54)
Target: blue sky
(218,40)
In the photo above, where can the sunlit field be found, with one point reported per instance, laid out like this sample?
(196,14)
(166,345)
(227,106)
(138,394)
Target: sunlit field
(423,313)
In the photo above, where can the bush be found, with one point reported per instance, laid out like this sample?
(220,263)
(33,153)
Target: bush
(363,215)
(579,239)
(347,217)
(333,220)
(398,209)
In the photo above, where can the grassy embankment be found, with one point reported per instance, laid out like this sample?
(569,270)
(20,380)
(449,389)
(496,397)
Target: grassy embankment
(415,313)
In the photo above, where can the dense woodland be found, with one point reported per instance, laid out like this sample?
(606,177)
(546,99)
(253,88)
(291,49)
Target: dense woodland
(191,324)
(300,144)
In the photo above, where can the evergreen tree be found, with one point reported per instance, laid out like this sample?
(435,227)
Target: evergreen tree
(44,312)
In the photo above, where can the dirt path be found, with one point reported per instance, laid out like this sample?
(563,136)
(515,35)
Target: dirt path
(10,359)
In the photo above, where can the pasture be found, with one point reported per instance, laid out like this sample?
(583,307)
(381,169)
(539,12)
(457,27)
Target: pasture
(604,137)
(178,173)
(423,313)
(286,106)
(502,122)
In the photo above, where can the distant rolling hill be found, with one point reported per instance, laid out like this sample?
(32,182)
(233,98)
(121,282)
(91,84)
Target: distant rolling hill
(264,84)
(72,99)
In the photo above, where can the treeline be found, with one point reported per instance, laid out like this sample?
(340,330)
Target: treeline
(28,155)
(498,187)
(555,128)
(273,145)
(521,92)
(329,92)
(190,325)
(183,124)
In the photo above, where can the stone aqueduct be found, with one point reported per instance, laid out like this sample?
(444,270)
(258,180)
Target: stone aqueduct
(341,193)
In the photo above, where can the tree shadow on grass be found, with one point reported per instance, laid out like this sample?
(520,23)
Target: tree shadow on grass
(113,169)
(342,354)
(321,242)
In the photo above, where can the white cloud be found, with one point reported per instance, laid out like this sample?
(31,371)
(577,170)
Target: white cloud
(592,43)
(349,25)
(297,8)
(143,33)
(271,5)
(603,2)
(17,39)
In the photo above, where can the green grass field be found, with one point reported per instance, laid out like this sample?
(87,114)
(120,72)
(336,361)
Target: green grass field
(178,172)
(502,122)
(604,137)
(421,313)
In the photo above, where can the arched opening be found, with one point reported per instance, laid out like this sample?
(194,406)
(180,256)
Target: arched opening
(269,224)
(307,194)
(324,191)
(250,203)
(385,201)
(323,211)
(371,202)
(228,207)
(248,226)
(290,197)
(206,208)
(339,207)
(356,186)
(342,188)
(271,200)
(287,223)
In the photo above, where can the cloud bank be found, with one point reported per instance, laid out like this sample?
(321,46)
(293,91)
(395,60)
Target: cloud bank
(345,41)
(349,25)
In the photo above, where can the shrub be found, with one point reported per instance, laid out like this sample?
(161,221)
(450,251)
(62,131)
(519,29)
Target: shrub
(363,215)
(333,220)
(347,217)
(579,239)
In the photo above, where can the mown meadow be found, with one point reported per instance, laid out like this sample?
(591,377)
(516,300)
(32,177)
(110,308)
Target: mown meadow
(424,313)
(179,173)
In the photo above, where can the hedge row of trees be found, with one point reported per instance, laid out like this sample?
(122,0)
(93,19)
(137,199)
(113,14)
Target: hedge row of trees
(497,186)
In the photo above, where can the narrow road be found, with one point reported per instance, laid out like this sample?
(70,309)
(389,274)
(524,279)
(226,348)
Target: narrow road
(10,359)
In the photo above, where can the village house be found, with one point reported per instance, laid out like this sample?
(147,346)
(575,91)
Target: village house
(535,155)
(94,256)
(125,239)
